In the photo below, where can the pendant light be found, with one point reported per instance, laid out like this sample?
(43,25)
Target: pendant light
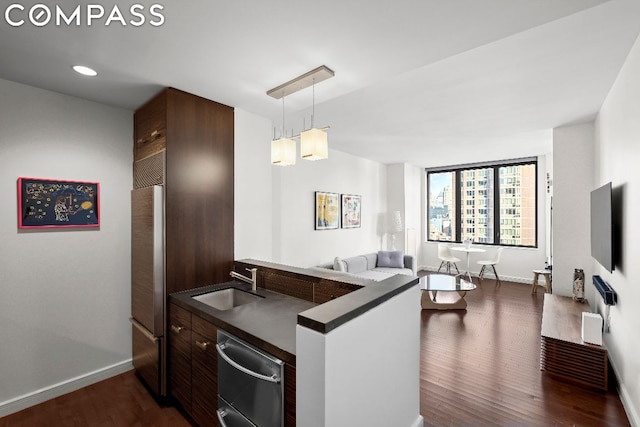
(283,150)
(313,142)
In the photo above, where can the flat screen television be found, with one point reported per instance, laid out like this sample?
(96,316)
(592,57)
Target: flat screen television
(602,235)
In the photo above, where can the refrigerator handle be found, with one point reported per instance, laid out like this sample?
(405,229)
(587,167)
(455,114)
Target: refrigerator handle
(142,329)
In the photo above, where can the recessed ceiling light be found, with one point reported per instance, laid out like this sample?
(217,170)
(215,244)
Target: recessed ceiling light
(85,70)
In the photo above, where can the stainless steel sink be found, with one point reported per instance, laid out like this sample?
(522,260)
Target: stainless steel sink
(226,299)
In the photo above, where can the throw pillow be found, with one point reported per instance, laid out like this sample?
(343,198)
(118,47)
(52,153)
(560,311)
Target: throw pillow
(339,265)
(394,259)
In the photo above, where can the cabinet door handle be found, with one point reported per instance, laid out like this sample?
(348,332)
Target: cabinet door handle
(203,345)
(177,329)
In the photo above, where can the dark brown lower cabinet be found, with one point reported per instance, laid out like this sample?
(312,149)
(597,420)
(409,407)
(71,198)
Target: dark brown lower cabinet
(193,369)
(193,365)
(204,373)
(179,350)
(289,395)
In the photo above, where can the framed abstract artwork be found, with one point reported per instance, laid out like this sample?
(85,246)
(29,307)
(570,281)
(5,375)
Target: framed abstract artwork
(351,206)
(327,211)
(50,203)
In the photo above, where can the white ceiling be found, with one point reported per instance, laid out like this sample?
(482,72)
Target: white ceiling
(427,82)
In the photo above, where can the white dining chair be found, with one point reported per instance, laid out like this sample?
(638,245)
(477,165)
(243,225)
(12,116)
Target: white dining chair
(447,258)
(490,263)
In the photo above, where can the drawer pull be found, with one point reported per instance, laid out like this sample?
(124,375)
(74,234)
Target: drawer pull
(177,329)
(203,345)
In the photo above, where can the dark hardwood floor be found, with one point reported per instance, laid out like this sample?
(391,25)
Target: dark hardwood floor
(480,367)
(118,401)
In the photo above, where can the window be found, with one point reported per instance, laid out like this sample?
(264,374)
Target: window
(442,206)
(500,198)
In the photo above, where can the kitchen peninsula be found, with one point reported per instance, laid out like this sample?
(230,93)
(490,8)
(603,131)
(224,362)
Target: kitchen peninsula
(333,334)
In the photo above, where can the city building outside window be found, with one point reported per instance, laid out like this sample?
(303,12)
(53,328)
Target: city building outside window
(499,198)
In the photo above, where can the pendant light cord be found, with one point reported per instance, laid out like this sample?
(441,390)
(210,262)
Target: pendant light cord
(283,135)
(313,101)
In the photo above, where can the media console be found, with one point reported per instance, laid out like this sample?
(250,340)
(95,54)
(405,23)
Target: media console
(562,351)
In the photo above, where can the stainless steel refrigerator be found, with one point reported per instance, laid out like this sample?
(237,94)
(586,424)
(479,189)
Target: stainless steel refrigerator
(148,311)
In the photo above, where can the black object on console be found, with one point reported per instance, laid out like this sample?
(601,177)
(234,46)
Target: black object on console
(609,296)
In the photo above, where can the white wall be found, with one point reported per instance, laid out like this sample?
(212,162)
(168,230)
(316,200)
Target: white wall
(395,202)
(617,154)
(65,294)
(373,383)
(548,200)
(573,182)
(253,195)
(295,242)
(516,264)
(413,179)
(404,183)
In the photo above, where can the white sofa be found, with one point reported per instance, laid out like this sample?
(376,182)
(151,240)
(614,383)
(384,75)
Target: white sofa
(370,266)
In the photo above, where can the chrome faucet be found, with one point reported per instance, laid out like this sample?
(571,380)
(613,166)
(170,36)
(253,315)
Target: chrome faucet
(252,281)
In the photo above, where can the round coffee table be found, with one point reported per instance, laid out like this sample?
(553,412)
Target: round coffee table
(431,284)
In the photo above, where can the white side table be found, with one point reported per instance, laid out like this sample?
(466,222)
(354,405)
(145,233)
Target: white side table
(547,281)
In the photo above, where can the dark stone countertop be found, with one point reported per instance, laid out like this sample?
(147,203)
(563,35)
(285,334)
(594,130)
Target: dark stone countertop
(325,317)
(269,323)
(328,316)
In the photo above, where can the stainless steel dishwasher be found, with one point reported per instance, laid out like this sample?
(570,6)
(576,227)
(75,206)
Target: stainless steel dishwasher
(250,385)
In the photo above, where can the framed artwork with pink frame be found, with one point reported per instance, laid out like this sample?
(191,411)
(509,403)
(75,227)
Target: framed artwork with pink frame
(51,203)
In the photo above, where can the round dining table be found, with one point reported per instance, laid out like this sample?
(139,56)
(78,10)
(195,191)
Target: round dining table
(468,251)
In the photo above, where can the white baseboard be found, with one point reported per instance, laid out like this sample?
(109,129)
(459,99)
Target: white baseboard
(627,403)
(419,422)
(526,281)
(630,409)
(42,395)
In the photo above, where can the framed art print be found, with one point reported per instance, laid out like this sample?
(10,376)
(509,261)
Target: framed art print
(327,211)
(50,203)
(351,206)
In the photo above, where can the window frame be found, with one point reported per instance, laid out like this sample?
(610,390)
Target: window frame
(461,177)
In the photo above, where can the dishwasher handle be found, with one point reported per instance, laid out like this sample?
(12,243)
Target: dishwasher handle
(273,378)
